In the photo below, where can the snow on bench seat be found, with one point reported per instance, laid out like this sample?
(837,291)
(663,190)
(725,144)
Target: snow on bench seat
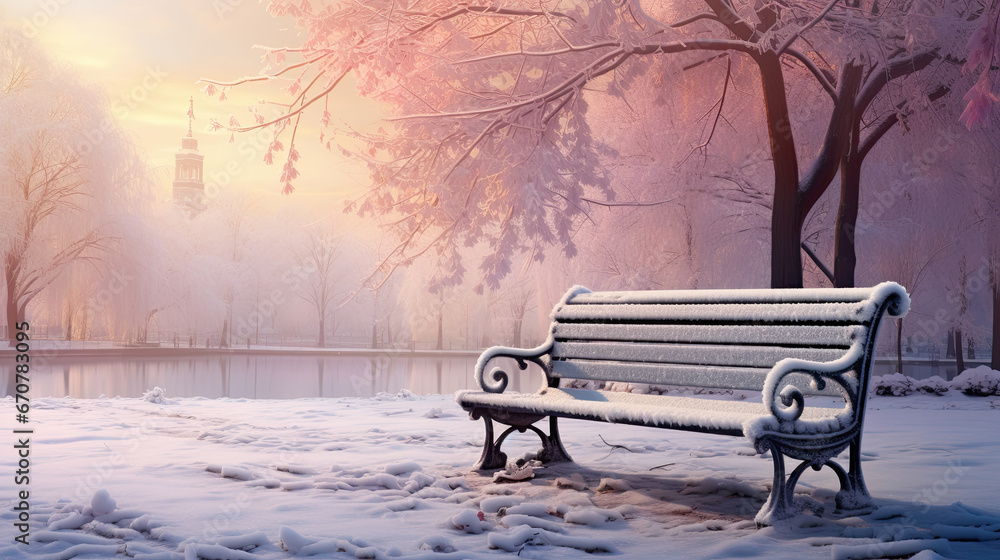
(785,343)
(728,417)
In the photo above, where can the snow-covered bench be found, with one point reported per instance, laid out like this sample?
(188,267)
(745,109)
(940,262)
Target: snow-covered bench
(784,343)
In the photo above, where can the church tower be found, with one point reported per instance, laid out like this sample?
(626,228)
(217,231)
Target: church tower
(189,185)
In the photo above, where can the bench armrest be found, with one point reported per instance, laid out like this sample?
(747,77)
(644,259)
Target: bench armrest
(792,401)
(497,380)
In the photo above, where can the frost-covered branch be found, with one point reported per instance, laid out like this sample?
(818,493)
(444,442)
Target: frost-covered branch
(794,36)
(896,68)
(821,77)
(694,18)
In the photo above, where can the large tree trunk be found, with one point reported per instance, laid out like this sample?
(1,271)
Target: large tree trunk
(786,237)
(845,258)
(793,200)
(16,313)
(899,345)
(12,318)
(959,357)
(786,212)
(322,333)
(995,360)
(21,316)
(70,314)
(144,334)
(440,340)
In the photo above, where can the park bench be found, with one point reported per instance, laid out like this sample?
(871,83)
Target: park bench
(788,344)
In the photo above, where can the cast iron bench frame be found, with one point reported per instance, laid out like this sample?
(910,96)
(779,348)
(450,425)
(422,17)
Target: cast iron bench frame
(724,339)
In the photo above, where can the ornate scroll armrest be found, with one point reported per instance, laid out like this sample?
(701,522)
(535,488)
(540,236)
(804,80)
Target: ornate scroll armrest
(497,380)
(792,401)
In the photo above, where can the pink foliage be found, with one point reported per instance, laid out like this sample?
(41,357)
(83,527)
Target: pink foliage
(982,49)
(980,98)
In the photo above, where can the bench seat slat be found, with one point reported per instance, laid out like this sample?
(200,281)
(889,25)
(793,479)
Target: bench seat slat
(769,295)
(795,335)
(704,415)
(703,354)
(781,313)
(751,379)
(681,375)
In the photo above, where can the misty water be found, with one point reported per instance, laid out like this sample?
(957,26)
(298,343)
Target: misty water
(290,375)
(255,376)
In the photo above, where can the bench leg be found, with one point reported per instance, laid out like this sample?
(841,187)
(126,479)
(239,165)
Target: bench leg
(779,504)
(492,458)
(853,493)
(552,447)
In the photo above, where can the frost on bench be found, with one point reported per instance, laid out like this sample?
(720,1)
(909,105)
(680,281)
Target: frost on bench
(784,343)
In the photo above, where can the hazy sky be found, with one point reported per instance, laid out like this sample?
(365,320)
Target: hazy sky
(148,55)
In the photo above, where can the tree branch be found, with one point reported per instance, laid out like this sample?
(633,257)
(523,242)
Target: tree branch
(291,114)
(569,49)
(250,79)
(482,10)
(694,18)
(821,77)
(788,42)
(890,121)
(721,103)
(595,69)
(607,204)
(895,69)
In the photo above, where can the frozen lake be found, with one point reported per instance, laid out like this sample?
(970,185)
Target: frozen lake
(289,373)
(250,374)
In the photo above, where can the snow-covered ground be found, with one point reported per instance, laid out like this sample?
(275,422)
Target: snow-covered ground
(390,477)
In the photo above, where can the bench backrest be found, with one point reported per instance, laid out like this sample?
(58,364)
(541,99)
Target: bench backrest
(712,338)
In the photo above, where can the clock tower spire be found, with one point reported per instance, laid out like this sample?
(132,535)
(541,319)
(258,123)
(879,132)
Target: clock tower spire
(189,184)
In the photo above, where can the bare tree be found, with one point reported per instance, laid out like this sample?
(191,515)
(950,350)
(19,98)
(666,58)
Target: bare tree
(987,196)
(65,173)
(511,305)
(959,295)
(522,301)
(992,238)
(318,259)
(233,209)
(995,327)
(908,263)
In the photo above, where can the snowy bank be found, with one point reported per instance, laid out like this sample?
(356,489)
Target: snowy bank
(179,478)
